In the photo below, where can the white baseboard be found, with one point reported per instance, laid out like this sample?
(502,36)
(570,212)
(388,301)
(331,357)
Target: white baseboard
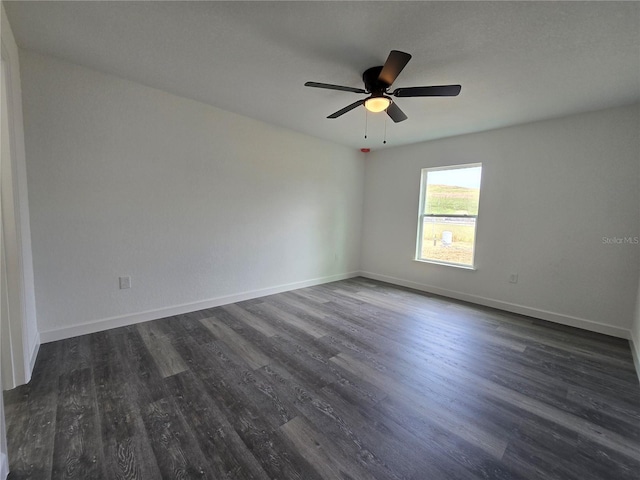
(4,466)
(130,319)
(507,306)
(634,343)
(34,355)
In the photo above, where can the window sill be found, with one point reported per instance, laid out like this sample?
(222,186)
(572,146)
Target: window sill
(446,264)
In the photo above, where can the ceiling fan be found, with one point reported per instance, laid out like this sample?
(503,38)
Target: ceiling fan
(378,80)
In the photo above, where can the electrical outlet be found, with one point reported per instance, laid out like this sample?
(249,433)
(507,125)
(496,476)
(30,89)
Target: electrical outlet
(513,278)
(125,282)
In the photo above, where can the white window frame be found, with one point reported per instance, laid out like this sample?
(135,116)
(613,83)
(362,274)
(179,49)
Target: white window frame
(421,215)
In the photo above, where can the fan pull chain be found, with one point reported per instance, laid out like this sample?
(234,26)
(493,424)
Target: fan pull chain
(366,122)
(385,129)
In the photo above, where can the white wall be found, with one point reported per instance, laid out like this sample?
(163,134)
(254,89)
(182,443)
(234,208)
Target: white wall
(550,192)
(6,360)
(21,338)
(199,206)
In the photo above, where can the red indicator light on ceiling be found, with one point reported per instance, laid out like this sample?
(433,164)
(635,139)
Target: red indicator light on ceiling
(365,150)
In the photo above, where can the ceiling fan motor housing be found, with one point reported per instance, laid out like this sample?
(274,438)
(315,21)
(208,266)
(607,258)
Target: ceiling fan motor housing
(372,83)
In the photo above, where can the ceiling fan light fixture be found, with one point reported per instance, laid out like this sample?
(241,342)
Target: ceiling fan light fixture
(378,80)
(377,104)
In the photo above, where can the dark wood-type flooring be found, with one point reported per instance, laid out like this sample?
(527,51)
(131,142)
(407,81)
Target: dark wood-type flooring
(350,380)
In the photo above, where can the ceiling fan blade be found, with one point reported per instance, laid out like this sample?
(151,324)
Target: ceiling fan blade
(346,109)
(328,86)
(396,61)
(397,115)
(435,91)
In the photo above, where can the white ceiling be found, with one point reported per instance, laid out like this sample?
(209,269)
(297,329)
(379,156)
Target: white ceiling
(516,61)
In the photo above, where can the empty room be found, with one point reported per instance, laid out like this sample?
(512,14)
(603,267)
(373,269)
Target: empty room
(320,240)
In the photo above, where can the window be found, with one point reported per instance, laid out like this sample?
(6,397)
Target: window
(449,198)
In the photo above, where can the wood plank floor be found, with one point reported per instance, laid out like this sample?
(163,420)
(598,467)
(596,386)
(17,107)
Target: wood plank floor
(350,380)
